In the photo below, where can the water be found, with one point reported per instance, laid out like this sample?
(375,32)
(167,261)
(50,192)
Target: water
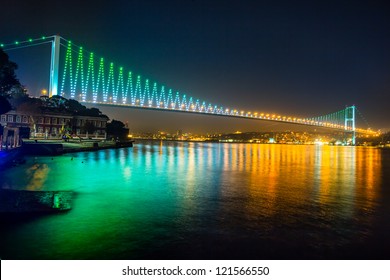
(178,200)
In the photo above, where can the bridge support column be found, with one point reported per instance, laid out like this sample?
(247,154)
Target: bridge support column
(350,122)
(55,59)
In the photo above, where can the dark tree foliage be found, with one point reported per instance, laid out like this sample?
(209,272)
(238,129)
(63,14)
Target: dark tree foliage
(89,127)
(59,103)
(32,106)
(5,106)
(117,129)
(18,96)
(8,78)
(92,112)
(78,109)
(8,81)
(115,125)
(56,102)
(75,107)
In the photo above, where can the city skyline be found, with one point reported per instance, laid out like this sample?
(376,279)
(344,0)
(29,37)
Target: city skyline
(265,57)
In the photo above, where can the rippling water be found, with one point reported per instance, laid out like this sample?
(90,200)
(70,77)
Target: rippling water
(178,200)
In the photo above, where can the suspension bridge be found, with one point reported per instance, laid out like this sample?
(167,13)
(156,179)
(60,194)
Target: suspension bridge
(79,74)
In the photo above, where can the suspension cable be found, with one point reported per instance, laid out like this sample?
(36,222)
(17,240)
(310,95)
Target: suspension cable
(363,118)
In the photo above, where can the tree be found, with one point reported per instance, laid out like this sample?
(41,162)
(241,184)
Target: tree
(8,78)
(89,127)
(75,106)
(117,129)
(92,112)
(18,95)
(57,102)
(8,81)
(5,106)
(33,108)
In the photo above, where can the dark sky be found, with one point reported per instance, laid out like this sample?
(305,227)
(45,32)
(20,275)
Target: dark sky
(300,58)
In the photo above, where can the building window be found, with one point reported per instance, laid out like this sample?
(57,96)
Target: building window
(25,119)
(40,129)
(54,130)
(3,118)
(18,119)
(10,118)
(47,120)
(54,120)
(40,120)
(62,121)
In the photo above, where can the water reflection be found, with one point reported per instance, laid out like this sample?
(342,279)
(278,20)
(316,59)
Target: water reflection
(197,200)
(36,176)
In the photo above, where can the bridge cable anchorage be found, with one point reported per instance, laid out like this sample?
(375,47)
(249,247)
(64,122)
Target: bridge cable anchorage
(84,76)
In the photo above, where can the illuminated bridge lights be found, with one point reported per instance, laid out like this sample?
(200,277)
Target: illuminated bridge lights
(25,43)
(93,80)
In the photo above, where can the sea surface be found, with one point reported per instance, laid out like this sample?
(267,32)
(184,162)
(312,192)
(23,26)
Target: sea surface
(181,200)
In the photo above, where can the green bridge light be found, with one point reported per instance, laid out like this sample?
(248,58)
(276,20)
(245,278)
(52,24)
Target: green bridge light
(101,83)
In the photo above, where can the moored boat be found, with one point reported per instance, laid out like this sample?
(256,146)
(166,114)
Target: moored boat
(23,201)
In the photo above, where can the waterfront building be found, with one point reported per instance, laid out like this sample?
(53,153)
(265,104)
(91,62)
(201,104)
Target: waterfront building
(53,124)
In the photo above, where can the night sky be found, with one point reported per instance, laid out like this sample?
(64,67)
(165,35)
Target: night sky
(300,58)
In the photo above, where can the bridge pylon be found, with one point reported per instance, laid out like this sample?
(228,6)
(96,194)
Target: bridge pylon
(350,124)
(54,68)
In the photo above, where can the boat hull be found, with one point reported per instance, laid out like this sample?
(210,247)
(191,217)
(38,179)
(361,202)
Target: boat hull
(21,201)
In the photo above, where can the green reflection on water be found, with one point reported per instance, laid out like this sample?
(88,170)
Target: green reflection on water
(133,202)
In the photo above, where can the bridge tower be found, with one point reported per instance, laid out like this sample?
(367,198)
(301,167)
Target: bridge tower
(55,60)
(350,121)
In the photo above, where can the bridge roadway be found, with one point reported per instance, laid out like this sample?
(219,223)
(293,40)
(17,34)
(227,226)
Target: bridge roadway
(242,115)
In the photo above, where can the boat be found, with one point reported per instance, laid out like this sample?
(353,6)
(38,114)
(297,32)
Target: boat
(24,201)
